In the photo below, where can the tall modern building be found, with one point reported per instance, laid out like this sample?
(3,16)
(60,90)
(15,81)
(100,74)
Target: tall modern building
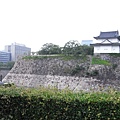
(86,42)
(5,57)
(8,48)
(17,50)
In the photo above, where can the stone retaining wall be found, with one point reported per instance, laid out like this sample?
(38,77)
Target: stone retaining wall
(57,72)
(47,66)
(59,82)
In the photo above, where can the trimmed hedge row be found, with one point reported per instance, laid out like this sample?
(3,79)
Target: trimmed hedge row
(51,104)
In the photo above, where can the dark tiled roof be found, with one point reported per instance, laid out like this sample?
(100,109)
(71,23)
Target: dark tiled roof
(107,35)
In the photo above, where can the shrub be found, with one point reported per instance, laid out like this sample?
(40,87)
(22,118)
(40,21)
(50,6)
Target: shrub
(115,54)
(114,66)
(92,73)
(77,69)
(52,104)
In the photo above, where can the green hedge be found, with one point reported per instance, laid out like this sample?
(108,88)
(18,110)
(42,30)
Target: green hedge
(51,104)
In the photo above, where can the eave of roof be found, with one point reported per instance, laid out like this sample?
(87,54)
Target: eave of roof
(105,44)
(107,37)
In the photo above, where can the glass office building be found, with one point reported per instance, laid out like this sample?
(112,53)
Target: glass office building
(17,50)
(5,56)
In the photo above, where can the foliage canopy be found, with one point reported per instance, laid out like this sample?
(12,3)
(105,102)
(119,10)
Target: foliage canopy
(72,47)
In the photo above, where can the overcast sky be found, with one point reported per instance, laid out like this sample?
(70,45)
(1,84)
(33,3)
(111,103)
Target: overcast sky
(36,22)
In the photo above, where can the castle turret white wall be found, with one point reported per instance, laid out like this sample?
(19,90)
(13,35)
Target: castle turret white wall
(106,49)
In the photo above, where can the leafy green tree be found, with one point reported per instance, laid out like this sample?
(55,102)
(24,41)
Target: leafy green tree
(33,53)
(71,48)
(50,48)
(86,50)
(10,64)
(1,64)
(7,65)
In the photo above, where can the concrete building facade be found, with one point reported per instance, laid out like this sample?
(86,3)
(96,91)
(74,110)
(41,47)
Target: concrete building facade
(17,50)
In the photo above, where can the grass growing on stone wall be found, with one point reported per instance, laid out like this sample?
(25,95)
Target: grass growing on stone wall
(100,61)
(63,57)
(41,57)
(83,58)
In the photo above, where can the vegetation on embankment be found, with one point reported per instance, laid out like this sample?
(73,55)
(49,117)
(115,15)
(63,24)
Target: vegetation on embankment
(62,56)
(6,66)
(52,104)
(100,61)
(115,54)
